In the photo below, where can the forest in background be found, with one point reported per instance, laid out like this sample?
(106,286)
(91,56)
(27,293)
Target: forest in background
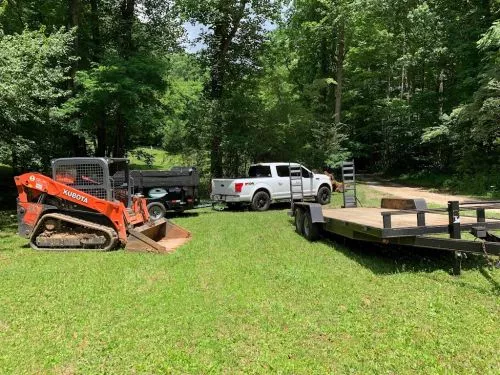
(401,86)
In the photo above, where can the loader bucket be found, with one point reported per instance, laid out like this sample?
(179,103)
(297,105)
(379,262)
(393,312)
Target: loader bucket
(160,236)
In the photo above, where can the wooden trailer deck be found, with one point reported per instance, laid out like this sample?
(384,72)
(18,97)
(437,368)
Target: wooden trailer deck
(372,217)
(385,223)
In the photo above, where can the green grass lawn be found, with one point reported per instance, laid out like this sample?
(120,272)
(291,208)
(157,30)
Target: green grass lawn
(161,159)
(246,295)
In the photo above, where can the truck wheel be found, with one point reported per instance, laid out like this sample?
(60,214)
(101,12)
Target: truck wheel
(156,210)
(299,221)
(311,230)
(324,195)
(261,201)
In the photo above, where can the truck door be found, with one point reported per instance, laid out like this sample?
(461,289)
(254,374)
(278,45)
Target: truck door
(282,181)
(307,182)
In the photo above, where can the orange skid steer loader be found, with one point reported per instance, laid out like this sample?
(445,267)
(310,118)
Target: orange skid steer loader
(88,204)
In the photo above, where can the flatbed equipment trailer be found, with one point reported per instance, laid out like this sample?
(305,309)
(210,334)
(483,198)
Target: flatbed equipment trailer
(406,222)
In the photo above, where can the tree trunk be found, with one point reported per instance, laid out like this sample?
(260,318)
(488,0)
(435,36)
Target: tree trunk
(73,21)
(441,91)
(216,156)
(74,9)
(101,136)
(127,20)
(127,10)
(74,17)
(79,145)
(403,69)
(95,54)
(15,161)
(224,32)
(119,146)
(216,86)
(340,73)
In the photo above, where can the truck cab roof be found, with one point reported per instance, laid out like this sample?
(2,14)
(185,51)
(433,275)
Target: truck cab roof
(278,163)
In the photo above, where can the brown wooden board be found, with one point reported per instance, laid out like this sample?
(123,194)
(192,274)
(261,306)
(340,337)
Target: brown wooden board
(372,217)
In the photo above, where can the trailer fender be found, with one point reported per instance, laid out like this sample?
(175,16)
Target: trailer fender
(314,210)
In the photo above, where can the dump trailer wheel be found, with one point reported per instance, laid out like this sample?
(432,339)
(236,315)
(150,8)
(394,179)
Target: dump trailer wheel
(299,221)
(261,201)
(324,195)
(311,230)
(156,210)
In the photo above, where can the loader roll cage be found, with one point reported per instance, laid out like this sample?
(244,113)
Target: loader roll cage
(104,178)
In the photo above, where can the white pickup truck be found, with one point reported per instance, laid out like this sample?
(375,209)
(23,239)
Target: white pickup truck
(267,183)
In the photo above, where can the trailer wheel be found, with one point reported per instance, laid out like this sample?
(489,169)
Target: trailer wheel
(261,201)
(324,195)
(310,229)
(156,210)
(299,221)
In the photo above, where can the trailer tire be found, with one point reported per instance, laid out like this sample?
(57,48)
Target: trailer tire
(299,221)
(261,201)
(310,229)
(324,195)
(156,210)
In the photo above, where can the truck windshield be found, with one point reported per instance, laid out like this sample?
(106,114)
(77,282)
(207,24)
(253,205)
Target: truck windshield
(259,171)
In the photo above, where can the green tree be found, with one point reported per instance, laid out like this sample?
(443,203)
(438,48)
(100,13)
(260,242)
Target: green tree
(34,70)
(235,36)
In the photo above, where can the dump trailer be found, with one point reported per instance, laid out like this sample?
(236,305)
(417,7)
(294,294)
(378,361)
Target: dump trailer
(82,207)
(166,190)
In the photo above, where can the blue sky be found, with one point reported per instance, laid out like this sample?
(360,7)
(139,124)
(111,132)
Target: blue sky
(193,32)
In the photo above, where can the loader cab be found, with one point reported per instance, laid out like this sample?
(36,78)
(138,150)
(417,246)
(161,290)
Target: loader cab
(104,178)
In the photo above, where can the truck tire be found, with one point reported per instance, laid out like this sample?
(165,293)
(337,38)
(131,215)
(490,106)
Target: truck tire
(324,195)
(156,210)
(261,201)
(299,221)
(310,229)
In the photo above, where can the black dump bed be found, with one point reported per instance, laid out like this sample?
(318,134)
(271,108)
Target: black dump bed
(176,177)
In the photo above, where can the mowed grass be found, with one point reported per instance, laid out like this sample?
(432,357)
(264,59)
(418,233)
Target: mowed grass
(160,159)
(246,295)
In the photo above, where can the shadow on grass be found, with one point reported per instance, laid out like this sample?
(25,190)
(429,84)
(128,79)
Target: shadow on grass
(8,190)
(8,222)
(173,214)
(280,206)
(391,259)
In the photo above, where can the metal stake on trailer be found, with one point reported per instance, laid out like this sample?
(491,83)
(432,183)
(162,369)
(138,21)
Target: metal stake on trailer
(454,232)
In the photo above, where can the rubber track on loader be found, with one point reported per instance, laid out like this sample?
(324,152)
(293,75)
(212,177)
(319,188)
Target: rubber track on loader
(109,232)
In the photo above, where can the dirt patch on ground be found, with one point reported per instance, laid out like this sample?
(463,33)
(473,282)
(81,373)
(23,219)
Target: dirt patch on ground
(414,192)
